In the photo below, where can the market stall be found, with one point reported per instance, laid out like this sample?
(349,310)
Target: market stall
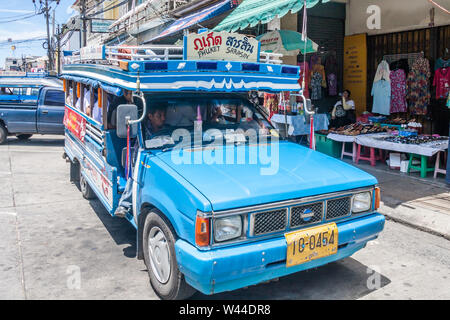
(379,140)
(417,146)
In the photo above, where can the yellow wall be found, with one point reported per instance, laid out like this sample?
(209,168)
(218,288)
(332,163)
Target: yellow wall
(355,69)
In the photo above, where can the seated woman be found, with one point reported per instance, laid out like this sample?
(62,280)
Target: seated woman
(343,112)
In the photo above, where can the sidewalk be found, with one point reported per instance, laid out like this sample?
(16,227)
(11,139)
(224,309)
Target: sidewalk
(406,198)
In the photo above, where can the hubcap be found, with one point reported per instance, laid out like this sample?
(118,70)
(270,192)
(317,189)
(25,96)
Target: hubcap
(159,253)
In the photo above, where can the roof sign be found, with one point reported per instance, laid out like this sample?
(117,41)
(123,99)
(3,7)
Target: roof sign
(221,46)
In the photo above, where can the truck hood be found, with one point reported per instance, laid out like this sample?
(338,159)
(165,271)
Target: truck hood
(297,172)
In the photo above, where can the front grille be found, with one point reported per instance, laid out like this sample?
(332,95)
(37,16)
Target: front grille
(306,214)
(269,221)
(338,208)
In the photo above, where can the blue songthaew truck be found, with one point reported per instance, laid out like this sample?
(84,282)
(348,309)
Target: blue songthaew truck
(219,199)
(30,103)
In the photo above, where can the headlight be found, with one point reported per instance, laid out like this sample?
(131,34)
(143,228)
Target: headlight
(227,228)
(361,202)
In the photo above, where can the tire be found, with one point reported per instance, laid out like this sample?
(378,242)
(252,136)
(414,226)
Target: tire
(85,188)
(3,134)
(75,172)
(24,136)
(166,279)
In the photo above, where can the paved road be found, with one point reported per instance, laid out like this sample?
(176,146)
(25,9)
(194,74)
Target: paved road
(56,245)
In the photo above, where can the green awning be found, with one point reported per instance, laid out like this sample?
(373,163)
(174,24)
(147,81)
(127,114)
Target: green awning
(250,12)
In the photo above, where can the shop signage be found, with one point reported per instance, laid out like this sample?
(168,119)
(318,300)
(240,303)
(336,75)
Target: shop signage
(100,25)
(221,46)
(92,53)
(355,69)
(75,123)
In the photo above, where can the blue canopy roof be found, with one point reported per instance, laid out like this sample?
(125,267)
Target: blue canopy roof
(95,84)
(190,20)
(189,75)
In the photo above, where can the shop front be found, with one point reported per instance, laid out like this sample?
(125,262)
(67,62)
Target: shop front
(399,76)
(387,82)
(380,95)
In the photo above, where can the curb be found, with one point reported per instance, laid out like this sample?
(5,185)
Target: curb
(416,226)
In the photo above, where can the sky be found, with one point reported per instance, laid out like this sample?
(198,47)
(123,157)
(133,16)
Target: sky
(26,28)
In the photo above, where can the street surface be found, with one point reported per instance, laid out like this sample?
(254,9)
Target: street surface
(54,244)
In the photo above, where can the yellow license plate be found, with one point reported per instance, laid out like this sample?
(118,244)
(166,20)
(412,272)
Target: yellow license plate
(312,243)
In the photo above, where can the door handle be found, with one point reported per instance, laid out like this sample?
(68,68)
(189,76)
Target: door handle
(44,111)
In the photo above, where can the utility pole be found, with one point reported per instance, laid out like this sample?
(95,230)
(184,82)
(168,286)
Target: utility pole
(83,23)
(58,46)
(46,11)
(49,44)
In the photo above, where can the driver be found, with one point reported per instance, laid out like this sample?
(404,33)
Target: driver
(154,123)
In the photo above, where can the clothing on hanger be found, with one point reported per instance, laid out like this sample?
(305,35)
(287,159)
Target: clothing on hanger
(383,72)
(332,84)
(381,92)
(318,68)
(316,86)
(271,103)
(442,82)
(417,84)
(398,91)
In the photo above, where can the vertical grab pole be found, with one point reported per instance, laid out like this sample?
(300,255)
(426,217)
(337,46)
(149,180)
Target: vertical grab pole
(310,113)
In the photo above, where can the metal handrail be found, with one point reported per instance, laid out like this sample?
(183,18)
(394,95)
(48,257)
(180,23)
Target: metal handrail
(114,54)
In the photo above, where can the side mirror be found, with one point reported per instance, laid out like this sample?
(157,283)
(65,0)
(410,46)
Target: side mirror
(126,112)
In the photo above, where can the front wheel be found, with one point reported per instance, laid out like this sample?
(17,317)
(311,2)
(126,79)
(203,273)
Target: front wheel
(159,256)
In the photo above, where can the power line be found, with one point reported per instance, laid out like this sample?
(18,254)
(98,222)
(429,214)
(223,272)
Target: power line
(17,19)
(6,44)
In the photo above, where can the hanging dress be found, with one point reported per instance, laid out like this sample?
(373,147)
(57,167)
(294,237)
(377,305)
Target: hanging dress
(381,92)
(316,86)
(398,91)
(332,84)
(417,85)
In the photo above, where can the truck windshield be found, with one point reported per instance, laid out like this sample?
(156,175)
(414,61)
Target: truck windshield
(229,114)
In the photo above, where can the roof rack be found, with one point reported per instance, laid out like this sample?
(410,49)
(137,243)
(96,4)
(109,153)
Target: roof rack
(114,54)
(153,52)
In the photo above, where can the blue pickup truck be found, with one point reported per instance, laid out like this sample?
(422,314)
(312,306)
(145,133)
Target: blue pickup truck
(218,200)
(30,105)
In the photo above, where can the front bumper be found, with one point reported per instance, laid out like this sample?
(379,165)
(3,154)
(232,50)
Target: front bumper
(231,268)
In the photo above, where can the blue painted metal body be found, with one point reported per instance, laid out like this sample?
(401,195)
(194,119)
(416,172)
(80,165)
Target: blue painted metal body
(179,191)
(230,268)
(26,111)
